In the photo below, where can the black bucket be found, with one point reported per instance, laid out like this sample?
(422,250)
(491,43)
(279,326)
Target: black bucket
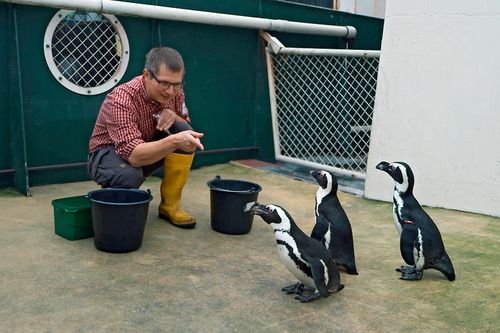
(119,218)
(230,200)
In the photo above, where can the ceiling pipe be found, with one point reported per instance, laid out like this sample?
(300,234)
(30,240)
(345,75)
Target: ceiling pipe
(193,16)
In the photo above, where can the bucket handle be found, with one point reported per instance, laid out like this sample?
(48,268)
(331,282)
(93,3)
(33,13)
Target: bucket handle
(253,189)
(217,177)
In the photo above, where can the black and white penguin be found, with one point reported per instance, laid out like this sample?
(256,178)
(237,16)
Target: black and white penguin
(304,257)
(332,226)
(421,244)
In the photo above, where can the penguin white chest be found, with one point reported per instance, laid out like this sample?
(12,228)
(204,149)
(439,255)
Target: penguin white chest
(288,254)
(320,195)
(328,238)
(397,211)
(418,252)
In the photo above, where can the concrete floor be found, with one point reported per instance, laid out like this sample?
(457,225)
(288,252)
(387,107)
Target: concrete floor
(204,281)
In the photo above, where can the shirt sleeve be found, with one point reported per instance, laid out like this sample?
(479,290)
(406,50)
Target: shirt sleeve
(121,120)
(180,106)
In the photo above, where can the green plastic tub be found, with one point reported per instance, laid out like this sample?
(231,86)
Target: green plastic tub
(72,217)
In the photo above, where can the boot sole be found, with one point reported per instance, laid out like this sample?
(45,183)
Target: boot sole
(182,226)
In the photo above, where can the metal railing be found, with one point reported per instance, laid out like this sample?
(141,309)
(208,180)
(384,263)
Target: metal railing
(322,106)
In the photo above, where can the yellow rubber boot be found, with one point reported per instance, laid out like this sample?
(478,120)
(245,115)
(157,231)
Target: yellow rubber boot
(175,173)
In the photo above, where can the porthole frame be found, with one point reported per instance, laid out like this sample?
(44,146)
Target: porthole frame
(112,81)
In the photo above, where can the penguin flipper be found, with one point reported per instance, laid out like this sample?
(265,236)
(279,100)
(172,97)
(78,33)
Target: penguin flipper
(411,252)
(319,274)
(407,241)
(320,228)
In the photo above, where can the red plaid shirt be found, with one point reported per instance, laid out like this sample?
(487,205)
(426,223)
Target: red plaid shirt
(126,120)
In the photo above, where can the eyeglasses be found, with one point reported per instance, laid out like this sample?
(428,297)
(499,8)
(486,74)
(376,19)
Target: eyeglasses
(166,85)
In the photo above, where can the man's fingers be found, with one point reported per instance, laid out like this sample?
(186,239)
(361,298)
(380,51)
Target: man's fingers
(196,139)
(166,120)
(196,134)
(164,125)
(198,144)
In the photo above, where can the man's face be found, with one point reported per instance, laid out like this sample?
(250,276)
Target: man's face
(163,85)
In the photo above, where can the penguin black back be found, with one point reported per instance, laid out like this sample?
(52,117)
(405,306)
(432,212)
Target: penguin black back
(419,234)
(332,226)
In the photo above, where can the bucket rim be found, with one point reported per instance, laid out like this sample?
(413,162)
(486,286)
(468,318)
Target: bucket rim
(111,189)
(213,187)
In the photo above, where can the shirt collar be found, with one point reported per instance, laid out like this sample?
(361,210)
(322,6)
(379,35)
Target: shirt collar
(144,92)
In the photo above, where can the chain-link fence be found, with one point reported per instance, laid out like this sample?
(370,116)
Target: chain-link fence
(322,103)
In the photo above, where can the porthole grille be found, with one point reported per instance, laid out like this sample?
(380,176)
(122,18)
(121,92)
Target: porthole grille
(84,49)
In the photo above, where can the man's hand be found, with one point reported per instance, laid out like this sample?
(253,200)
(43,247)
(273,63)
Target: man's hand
(149,152)
(188,140)
(166,119)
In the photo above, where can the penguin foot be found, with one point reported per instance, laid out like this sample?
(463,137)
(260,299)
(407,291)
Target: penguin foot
(297,288)
(411,276)
(405,269)
(307,298)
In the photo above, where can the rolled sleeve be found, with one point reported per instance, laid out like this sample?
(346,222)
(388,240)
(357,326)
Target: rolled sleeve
(122,126)
(125,151)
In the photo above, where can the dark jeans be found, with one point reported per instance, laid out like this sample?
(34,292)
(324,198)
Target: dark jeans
(108,169)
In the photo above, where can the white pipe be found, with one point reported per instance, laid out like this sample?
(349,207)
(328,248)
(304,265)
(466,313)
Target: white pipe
(192,16)
(272,100)
(330,52)
(314,165)
(276,47)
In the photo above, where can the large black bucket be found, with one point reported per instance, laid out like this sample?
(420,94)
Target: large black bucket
(230,200)
(119,218)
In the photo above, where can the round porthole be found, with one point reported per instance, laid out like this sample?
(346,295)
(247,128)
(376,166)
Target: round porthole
(86,52)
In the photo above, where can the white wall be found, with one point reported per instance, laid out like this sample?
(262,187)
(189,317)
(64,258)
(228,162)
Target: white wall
(437,105)
(375,8)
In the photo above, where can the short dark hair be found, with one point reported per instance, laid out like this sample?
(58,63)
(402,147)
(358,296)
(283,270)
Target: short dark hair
(164,55)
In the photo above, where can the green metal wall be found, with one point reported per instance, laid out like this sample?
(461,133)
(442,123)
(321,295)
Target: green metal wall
(44,127)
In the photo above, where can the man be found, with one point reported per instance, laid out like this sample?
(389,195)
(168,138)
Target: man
(129,140)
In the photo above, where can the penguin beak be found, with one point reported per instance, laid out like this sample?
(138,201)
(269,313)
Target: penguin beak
(258,209)
(320,178)
(384,166)
(268,213)
(314,174)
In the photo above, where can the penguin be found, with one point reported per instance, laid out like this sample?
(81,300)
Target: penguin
(305,257)
(421,244)
(332,226)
